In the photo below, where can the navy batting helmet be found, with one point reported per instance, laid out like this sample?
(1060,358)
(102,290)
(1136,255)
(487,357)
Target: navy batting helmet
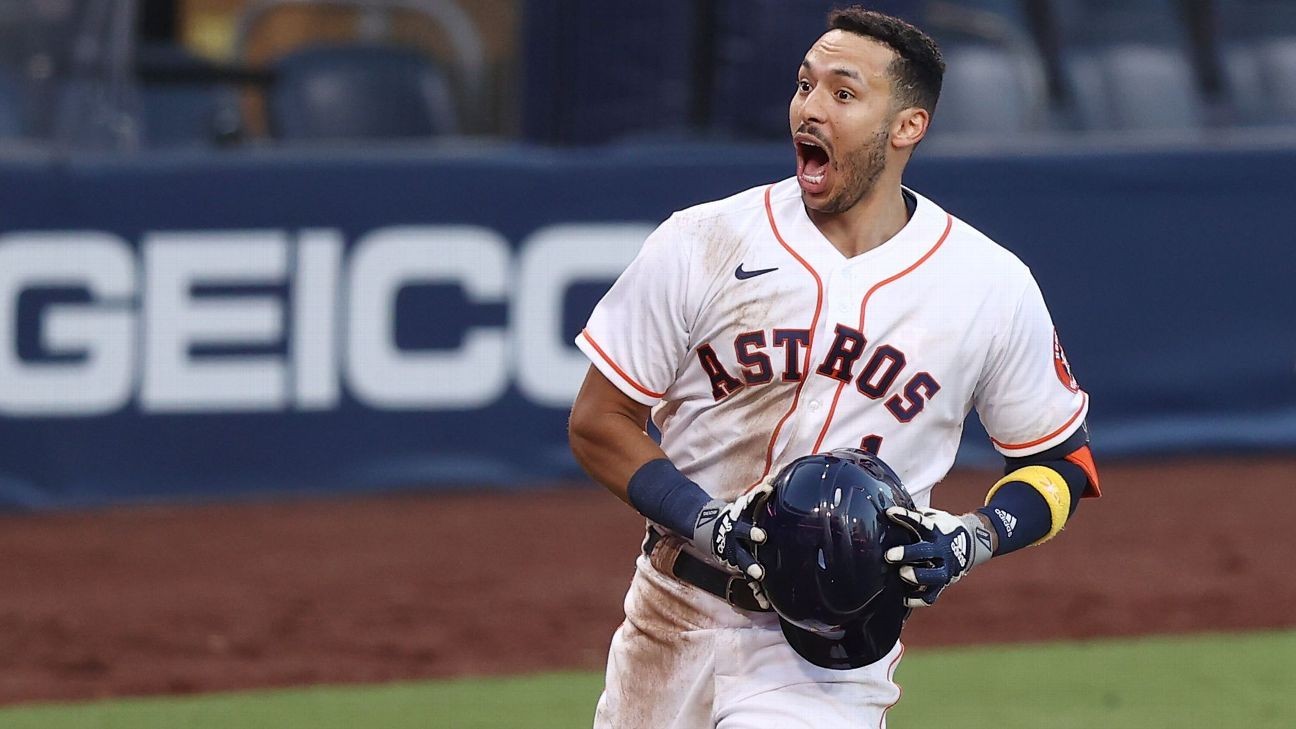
(840,604)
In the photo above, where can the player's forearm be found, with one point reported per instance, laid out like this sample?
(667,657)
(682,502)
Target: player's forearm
(617,453)
(611,447)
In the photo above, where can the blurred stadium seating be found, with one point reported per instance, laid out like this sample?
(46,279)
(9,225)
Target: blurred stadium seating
(370,82)
(1257,53)
(595,71)
(68,61)
(1016,66)
(581,72)
(360,92)
(11,104)
(1128,65)
(989,55)
(179,105)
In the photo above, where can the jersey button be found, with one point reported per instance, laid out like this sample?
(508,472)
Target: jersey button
(815,405)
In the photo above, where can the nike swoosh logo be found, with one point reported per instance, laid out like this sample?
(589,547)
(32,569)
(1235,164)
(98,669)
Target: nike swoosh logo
(742,275)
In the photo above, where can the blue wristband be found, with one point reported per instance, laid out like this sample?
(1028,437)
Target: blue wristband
(1020,515)
(660,492)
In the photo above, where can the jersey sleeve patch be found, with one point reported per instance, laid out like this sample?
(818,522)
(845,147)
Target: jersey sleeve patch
(1062,367)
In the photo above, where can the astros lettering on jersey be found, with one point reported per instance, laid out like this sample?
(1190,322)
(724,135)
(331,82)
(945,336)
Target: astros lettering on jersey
(755,341)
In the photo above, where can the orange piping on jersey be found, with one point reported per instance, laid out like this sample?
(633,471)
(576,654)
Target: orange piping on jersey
(814,326)
(891,677)
(585,333)
(1018,446)
(949,224)
(1083,457)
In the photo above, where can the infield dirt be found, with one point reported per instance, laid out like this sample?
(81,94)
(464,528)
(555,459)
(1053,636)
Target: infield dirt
(181,599)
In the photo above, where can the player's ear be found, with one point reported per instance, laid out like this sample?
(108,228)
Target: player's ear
(909,127)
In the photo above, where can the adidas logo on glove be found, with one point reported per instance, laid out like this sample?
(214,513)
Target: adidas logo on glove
(960,547)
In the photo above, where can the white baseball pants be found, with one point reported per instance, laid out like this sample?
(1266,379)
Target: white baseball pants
(684,659)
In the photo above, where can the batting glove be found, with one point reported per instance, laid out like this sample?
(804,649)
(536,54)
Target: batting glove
(723,527)
(948,548)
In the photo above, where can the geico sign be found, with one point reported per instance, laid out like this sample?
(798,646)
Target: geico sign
(142,331)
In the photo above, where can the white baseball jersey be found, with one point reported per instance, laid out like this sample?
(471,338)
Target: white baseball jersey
(756,342)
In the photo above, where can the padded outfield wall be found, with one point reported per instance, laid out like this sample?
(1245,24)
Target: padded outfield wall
(201,327)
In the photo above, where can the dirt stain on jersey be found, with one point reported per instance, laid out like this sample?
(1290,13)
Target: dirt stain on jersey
(720,249)
(720,246)
(743,446)
(658,654)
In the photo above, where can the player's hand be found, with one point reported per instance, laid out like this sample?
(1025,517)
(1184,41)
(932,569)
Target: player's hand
(724,532)
(949,547)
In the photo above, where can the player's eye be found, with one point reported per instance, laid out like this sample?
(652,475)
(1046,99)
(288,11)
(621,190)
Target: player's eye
(844,95)
(803,86)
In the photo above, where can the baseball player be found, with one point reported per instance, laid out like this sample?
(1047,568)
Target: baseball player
(834,309)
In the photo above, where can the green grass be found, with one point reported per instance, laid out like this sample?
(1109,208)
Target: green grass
(533,702)
(1219,681)
(1222,681)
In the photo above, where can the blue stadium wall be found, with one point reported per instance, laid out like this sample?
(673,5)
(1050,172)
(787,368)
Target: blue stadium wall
(194,327)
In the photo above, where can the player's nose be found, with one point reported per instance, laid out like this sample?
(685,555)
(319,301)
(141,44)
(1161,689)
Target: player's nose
(813,109)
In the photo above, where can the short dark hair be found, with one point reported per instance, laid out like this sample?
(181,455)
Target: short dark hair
(918,68)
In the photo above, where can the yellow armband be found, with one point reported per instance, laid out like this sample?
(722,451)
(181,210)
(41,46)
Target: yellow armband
(1050,485)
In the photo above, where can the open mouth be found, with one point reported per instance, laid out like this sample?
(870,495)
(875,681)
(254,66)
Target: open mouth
(812,163)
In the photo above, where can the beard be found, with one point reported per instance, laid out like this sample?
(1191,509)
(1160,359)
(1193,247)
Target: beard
(859,171)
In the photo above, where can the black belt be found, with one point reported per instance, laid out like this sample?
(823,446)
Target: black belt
(687,568)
